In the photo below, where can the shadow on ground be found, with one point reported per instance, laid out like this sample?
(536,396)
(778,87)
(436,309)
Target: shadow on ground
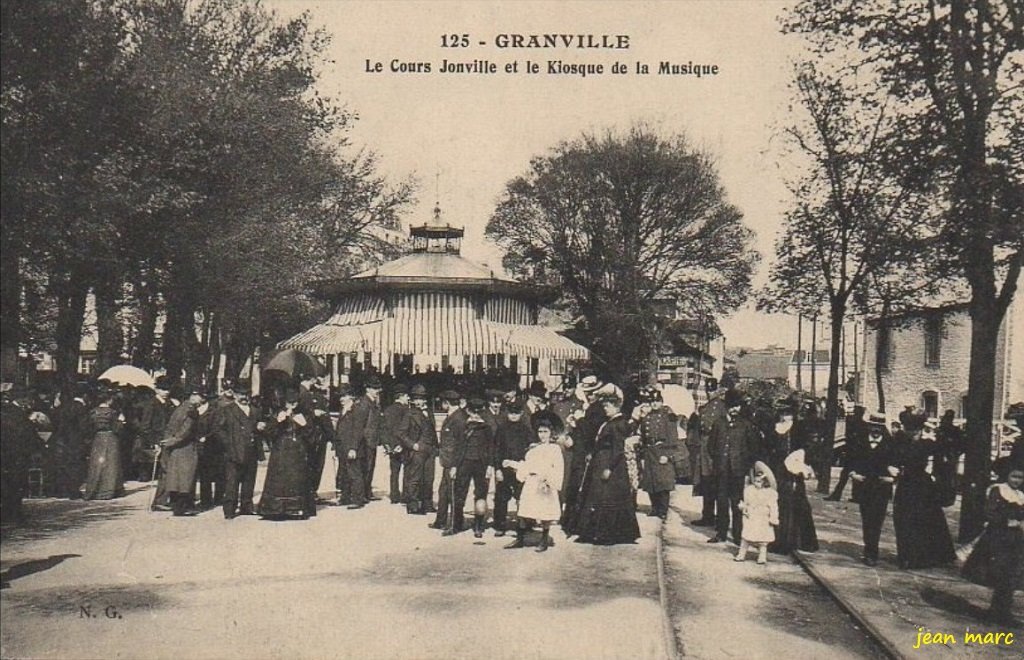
(46,518)
(30,567)
(87,602)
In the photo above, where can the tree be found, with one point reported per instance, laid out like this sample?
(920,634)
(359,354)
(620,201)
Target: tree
(618,222)
(954,70)
(850,216)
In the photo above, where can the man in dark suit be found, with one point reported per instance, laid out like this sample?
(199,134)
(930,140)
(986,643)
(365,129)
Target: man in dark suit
(233,424)
(344,430)
(420,445)
(323,432)
(856,435)
(360,443)
(472,460)
(514,437)
(735,444)
(873,470)
(396,423)
(453,426)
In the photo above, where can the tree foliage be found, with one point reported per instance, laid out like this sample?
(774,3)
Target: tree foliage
(955,72)
(619,221)
(174,159)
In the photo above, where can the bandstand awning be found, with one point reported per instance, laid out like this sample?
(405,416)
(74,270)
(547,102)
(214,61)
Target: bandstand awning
(440,336)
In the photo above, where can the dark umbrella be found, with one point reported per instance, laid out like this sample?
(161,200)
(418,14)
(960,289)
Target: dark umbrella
(295,364)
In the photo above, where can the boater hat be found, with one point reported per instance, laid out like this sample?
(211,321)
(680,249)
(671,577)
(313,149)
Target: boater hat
(590,383)
(877,419)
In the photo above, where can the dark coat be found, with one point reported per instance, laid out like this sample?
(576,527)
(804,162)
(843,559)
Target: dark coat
(735,444)
(396,426)
(454,426)
(475,442)
(235,431)
(421,432)
(180,440)
(658,434)
(512,441)
(361,427)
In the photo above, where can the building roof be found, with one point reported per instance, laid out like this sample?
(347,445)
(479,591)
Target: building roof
(762,367)
(434,266)
(820,357)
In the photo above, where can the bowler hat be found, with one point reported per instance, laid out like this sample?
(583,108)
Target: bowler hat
(344,389)
(538,389)
(372,383)
(450,395)
(494,396)
(418,392)
(399,389)
(476,404)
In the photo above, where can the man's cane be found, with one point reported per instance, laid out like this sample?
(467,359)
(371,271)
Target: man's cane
(156,463)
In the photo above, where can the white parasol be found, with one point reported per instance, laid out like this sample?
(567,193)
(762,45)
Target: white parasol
(679,399)
(126,374)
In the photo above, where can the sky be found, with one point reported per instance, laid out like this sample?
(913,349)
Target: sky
(463,136)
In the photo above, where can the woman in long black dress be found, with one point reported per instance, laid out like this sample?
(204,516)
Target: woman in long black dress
(285,490)
(997,560)
(105,480)
(607,510)
(787,460)
(922,535)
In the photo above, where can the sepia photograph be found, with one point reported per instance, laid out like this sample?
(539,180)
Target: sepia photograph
(423,330)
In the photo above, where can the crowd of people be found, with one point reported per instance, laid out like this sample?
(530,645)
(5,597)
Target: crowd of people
(575,457)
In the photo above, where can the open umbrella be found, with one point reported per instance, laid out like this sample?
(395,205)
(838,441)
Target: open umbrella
(295,364)
(126,374)
(679,399)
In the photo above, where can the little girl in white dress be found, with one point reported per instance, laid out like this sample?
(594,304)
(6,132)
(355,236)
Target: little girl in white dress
(541,472)
(760,508)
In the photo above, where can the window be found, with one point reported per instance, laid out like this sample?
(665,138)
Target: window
(492,361)
(479,363)
(930,403)
(557,366)
(884,347)
(932,341)
(513,363)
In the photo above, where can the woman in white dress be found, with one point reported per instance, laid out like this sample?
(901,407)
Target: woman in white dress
(541,472)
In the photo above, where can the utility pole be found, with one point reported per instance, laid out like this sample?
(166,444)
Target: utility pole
(814,350)
(799,352)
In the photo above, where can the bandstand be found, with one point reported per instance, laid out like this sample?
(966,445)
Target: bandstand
(434,310)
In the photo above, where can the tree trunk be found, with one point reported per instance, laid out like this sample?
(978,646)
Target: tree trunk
(880,350)
(145,338)
(985,321)
(70,317)
(180,322)
(832,402)
(110,335)
(10,312)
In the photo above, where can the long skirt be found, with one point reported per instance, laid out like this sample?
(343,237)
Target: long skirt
(104,480)
(796,522)
(997,558)
(286,489)
(922,535)
(607,513)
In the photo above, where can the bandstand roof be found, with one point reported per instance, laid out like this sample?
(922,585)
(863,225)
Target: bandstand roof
(454,337)
(432,315)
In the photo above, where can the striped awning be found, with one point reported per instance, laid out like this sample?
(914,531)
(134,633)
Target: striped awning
(449,336)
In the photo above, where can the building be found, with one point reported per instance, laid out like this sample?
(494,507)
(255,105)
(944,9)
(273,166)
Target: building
(691,351)
(762,364)
(434,309)
(808,372)
(925,356)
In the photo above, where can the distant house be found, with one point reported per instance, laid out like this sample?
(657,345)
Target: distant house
(925,358)
(762,364)
(808,372)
